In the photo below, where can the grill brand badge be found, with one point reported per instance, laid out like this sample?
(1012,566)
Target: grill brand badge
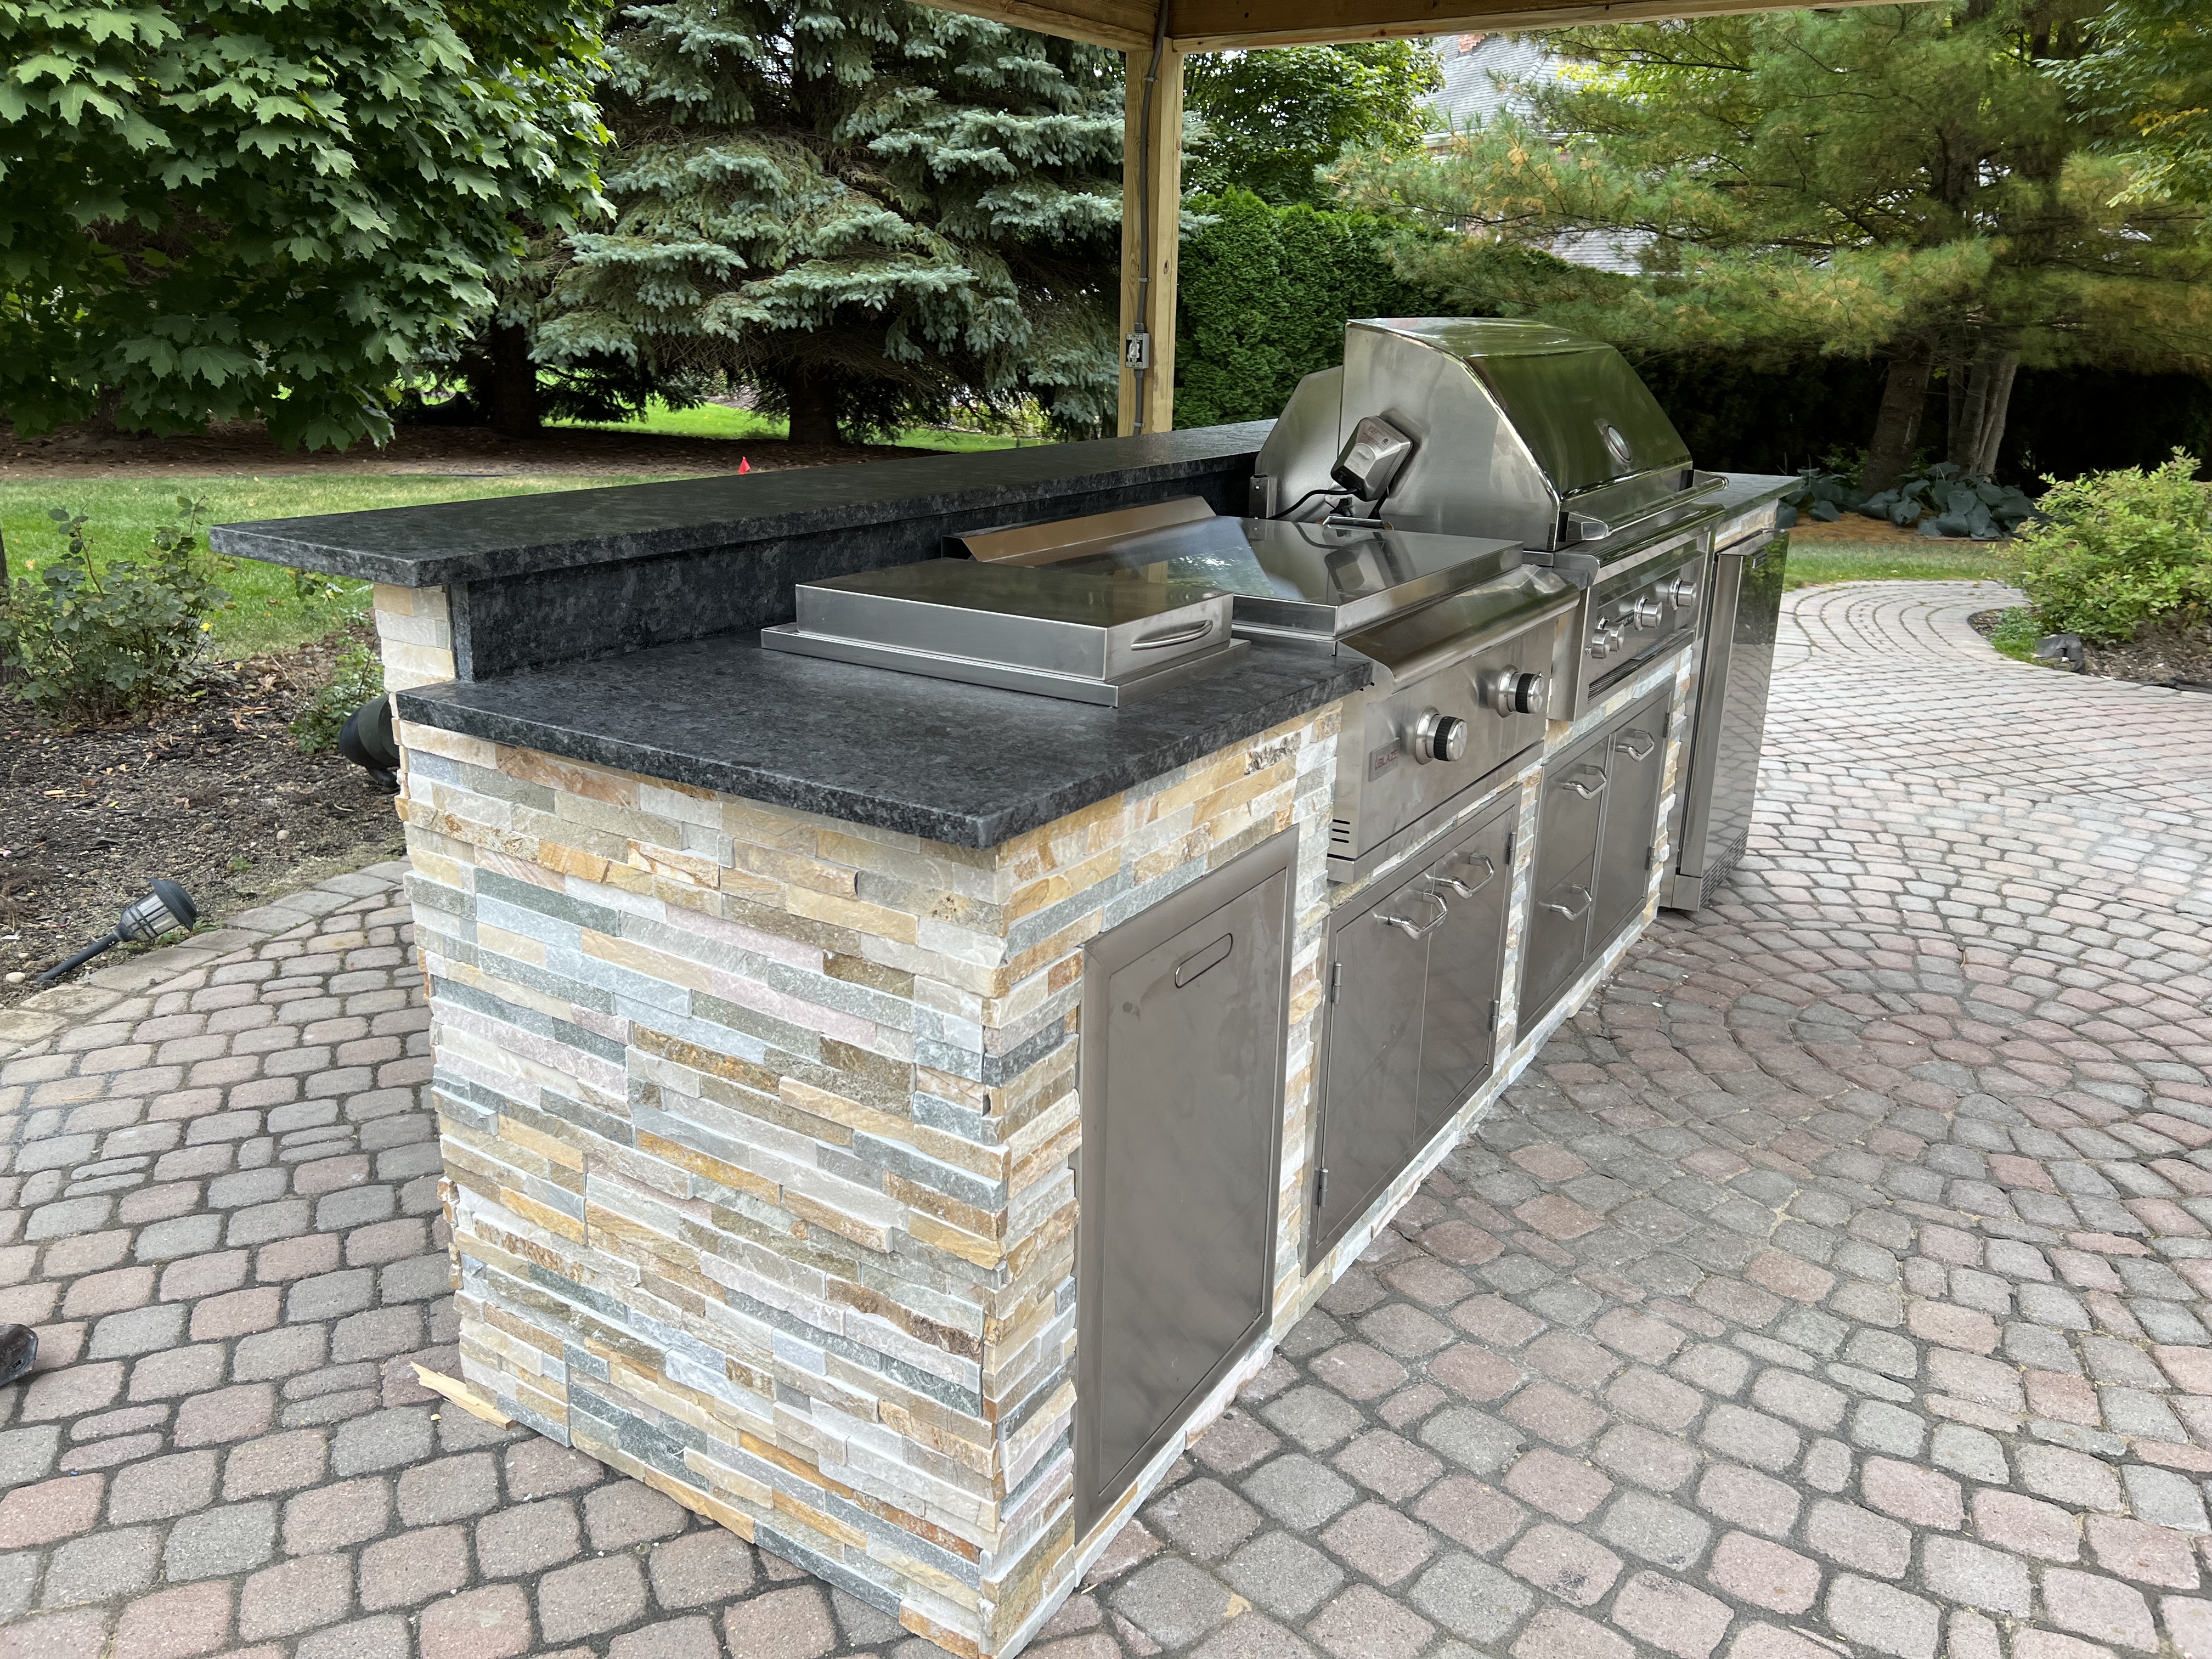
(1380,760)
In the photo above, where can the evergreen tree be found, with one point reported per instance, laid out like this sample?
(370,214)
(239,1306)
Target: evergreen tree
(865,211)
(1267,121)
(1917,181)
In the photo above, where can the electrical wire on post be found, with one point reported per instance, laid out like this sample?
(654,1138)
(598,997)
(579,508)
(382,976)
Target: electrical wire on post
(1137,349)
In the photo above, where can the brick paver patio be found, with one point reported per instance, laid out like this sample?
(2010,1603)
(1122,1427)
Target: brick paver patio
(1834,1285)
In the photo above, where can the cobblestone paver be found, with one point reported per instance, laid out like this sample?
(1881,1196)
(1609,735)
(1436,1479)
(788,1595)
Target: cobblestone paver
(1834,1285)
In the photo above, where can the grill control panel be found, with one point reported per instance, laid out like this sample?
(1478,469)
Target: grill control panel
(1640,614)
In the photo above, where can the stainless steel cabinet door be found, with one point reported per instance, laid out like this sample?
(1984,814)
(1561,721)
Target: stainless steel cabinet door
(1466,957)
(1636,760)
(1185,1011)
(1371,1069)
(1564,886)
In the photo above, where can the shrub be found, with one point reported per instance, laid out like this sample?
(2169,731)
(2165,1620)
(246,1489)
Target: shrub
(2118,550)
(90,644)
(355,677)
(1263,297)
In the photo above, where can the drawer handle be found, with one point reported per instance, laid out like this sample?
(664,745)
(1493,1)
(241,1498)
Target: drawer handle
(1488,874)
(1197,630)
(1199,961)
(1413,930)
(1574,913)
(1588,792)
(1627,745)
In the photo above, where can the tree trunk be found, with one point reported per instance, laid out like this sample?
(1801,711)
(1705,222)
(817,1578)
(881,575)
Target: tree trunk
(512,383)
(813,409)
(1994,406)
(1978,426)
(1955,377)
(1904,398)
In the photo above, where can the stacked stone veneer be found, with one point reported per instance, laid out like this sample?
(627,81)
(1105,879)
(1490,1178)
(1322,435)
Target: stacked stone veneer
(757,1130)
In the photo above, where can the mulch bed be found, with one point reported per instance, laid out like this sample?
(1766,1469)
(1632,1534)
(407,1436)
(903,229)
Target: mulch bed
(211,790)
(78,451)
(2169,655)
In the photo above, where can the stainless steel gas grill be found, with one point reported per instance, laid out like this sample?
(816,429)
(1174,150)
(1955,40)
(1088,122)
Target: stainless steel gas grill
(1519,430)
(1467,641)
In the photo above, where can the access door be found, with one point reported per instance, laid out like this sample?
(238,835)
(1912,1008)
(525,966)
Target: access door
(1467,954)
(1186,1008)
(1635,761)
(1376,986)
(1565,884)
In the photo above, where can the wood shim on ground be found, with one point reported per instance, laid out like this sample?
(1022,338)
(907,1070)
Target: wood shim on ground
(462,1395)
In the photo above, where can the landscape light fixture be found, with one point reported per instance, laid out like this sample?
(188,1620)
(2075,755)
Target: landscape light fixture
(168,909)
(367,740)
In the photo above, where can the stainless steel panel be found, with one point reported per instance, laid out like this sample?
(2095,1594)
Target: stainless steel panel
(1323,580)
(1182,1078)
(1638,612)
(1375,980)
(1720,782)
(1562,884)
(1382,784)
(1069,687)
(1302,446)
(1056,538)
(1467,954)
(1635,761)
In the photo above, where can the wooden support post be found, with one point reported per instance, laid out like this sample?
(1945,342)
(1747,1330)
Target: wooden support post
(1150,306)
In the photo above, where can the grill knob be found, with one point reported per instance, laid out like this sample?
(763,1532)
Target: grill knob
(1438,737)
(1681,591)
(1646,611)
(1530,694)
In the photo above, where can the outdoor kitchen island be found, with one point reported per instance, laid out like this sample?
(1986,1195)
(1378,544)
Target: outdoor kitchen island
(759,985)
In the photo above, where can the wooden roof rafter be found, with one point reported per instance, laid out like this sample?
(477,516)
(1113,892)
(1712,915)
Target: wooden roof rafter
(1220,25)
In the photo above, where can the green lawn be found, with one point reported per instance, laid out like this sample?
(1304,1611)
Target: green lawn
(266,613)
(720,421)
(1814,562)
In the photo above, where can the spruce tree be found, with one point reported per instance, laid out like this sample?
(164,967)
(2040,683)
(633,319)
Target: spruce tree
(865,211)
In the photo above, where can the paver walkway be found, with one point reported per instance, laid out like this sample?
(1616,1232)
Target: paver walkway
(1834,1285)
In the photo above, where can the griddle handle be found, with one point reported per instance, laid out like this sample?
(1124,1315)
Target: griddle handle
(1174,636)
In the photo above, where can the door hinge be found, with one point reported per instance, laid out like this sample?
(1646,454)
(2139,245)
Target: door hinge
(1510,836)
(1492,1024)
(1652,855)
(1321,1187)
(1335,981)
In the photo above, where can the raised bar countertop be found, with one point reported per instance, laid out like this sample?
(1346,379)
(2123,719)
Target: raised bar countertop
(965,764)
(523,535)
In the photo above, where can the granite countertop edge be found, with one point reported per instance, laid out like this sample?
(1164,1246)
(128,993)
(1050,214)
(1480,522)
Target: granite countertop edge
(873,493)
(441,705)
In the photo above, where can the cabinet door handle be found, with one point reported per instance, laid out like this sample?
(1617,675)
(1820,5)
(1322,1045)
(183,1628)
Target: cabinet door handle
(1588,792)
(1571,913)
(1489,872)
(1419,930)
(1199,961)
(1627,745)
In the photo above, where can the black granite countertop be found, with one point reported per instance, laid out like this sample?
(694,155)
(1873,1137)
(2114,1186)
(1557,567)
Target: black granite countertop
(959,763)
(523,535)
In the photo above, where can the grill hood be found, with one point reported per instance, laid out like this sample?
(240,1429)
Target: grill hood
(1523,430)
